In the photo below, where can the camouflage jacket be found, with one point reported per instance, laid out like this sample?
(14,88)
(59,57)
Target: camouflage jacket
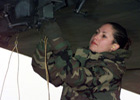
(85,75)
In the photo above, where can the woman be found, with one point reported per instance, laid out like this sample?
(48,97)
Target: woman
(93,73)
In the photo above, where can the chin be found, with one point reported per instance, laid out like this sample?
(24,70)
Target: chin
(93,50)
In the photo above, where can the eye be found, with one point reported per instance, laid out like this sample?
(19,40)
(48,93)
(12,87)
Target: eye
(104,36)
(96,32)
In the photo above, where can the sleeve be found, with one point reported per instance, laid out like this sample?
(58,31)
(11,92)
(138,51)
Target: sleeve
(38,59)
(65,68)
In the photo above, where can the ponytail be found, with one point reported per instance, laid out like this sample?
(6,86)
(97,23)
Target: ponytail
(128,44)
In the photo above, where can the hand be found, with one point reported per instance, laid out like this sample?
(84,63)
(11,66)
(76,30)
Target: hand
(50,29)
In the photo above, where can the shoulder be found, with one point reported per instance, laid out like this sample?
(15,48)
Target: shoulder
(117,69)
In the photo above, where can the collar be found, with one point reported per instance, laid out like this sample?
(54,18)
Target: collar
(118,55)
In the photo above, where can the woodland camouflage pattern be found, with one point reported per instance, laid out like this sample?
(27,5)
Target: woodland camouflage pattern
(85,75)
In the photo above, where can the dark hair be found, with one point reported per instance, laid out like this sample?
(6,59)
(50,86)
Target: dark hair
(120,36)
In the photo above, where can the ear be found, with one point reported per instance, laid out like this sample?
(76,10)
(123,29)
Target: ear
(115,46)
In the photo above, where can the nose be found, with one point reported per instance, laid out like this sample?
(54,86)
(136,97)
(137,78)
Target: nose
(96,36)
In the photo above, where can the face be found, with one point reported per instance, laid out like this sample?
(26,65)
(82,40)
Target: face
(102,41)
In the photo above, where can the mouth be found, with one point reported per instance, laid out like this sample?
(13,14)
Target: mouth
(93,43)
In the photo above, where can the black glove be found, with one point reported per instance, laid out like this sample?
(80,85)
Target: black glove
(51,30)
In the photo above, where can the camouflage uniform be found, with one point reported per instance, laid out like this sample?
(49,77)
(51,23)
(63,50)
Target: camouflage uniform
(85,75)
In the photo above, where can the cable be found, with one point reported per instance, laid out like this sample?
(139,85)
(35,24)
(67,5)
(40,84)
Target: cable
(15,48)
(46,68)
